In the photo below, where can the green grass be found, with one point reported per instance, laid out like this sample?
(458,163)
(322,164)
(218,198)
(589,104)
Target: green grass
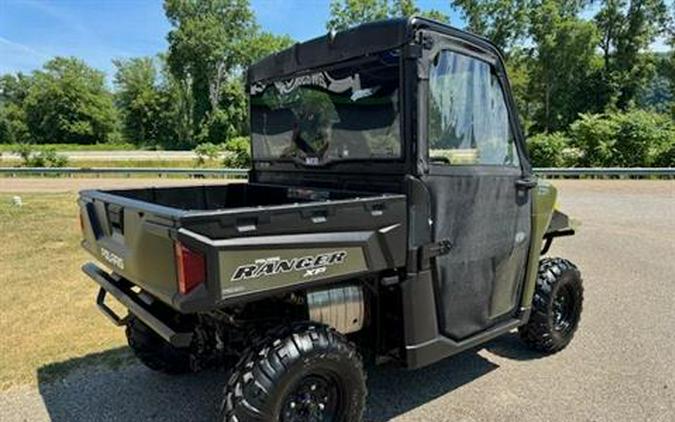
(74,147)
(47,306)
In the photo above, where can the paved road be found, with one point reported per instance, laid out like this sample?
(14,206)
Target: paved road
(620,367)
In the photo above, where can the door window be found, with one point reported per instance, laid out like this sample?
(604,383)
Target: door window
(468,117)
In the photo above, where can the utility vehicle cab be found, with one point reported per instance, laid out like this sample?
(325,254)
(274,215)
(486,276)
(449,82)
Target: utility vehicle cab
(391,204)
(419,108)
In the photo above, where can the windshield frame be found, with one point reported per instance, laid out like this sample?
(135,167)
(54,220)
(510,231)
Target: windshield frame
(383,164)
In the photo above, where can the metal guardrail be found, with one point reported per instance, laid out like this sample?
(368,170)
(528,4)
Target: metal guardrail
(606,171)
(196,172)
(190,172)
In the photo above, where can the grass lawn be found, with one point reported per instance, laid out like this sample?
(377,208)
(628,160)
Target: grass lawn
(47,309)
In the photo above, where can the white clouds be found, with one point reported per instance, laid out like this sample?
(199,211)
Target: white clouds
(12,46)
(17,57)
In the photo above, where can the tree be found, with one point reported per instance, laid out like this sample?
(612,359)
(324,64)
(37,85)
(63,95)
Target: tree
(155,107)
(563,63)
(611,23)
(347,13)
(13,91)
(68,103)
(657,94)
(210,43)
(138,99)
(668,69)
(627,29)
(206,43)
(264,43)
(505,22)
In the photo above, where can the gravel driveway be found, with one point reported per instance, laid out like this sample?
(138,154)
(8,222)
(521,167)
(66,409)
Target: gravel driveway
(620,367)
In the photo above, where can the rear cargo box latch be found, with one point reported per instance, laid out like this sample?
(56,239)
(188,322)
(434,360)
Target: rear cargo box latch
(116,217)
(433,250)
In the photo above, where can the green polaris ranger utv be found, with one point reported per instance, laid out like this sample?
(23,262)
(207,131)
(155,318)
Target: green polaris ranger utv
(390,214)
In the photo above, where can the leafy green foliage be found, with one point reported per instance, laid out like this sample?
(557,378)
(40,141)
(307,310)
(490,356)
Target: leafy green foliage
(138,98)
(551,150)
(631,139)
(230,118)
(206,43)
(502,21)
(210,43)
(657,94)
(666,157)
(238,153)
(641,137)
(13,92)
(563,65)
(347,13)
(576,81)
(264,43)
(207,152)
(559,74)
(68,102)
(628,28)
(46,157)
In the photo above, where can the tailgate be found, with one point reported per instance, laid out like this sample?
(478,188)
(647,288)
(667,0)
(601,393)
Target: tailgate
(132,239)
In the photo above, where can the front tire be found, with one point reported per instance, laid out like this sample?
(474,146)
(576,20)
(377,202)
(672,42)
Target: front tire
(556,306)
(307,372)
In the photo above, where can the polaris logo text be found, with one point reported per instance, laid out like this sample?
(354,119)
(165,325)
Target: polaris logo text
(310,265)
(112,258)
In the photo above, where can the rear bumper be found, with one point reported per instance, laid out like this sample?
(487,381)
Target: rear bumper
(120,289)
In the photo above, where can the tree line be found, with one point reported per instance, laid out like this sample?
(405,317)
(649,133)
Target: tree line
(588,88)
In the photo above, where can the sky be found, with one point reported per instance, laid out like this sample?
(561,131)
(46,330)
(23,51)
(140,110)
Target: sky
(34,31)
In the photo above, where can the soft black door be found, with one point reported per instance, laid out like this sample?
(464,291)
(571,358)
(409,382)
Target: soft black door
(474,167)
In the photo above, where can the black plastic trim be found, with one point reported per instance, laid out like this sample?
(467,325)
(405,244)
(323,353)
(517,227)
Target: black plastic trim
(128,298)
(423,354)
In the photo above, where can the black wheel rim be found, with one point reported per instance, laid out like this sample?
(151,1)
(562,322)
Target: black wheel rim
(314,398)
(564,310)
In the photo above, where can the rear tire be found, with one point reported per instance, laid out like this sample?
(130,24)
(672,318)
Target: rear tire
(556,306)
(307,372)
(155,352)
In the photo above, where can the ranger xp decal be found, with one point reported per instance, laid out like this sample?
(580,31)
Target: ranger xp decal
(310,265)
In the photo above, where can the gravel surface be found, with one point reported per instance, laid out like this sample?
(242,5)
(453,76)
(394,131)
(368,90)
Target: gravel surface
(618,368)
(74,184)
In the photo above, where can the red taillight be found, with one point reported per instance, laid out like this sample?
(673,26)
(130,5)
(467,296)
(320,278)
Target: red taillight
(191,268)
(81,222)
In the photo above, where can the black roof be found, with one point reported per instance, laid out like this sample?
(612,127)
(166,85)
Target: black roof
(352,43)
(332,48)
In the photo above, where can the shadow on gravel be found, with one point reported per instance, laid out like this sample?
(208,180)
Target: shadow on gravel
(88,391)
(393,391)
(510,346)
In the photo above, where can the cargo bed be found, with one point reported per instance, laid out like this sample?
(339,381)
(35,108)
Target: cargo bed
(255,239)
